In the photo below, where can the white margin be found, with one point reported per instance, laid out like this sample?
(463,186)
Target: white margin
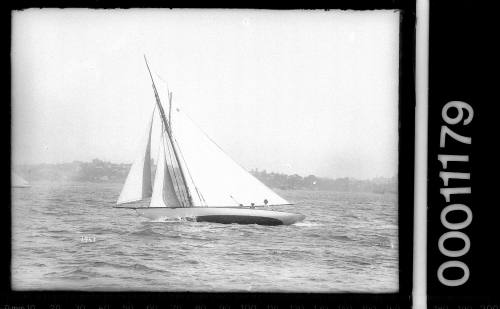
(421,130)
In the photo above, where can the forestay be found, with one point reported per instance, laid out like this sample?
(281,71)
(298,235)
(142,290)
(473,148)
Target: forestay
(214,179)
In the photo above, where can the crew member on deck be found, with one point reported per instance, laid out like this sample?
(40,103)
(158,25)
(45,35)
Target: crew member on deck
(266,203)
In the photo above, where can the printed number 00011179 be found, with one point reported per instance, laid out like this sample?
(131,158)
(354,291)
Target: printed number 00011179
(464,115)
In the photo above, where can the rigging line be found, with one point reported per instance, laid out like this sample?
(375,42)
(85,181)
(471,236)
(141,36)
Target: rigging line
(162,141)
(186,188)
(194,123)
(178,186)
(171,171)
(179,193)
(200,195)
(160,78)
(156,168)
(235,200)
(168,131)
(182,194)
(157,156)
(169,108)
(169,98)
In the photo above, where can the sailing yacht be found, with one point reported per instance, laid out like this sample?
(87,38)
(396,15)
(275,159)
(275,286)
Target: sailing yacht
(194,179)
(18,182)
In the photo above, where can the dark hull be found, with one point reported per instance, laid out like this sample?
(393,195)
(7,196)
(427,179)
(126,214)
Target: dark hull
(223,215)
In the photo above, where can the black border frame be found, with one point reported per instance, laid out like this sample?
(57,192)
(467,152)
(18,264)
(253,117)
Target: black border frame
(400,299)
(463,66)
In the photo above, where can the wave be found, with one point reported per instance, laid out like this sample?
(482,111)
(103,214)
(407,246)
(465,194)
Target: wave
(102,230)
(330,250)
(379,241)
(78,273)
(135,266)
(146,232)
(192,262)
(361,263)
(174,220)
(342,237)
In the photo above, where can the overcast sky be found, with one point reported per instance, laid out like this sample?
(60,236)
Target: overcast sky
(307,92)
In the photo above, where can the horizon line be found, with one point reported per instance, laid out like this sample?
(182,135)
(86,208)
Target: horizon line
(250,170)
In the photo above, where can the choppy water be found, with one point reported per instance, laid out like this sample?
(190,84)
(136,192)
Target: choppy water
(348,242)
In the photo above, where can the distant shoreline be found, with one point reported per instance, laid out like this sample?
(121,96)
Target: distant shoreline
(98,171)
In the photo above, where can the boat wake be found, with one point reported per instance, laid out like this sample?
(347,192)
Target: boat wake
(170,219)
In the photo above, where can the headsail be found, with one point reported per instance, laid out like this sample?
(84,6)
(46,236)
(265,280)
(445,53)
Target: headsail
(138,183)
(163,191)
(214,179)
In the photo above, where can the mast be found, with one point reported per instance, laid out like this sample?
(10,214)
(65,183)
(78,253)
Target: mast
(169,132)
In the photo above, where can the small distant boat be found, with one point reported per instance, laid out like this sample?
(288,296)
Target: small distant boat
(195,180)
(19,182)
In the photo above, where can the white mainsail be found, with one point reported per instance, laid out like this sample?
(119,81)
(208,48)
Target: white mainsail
(138,183)
(163,191)
(214,179)
(191,168)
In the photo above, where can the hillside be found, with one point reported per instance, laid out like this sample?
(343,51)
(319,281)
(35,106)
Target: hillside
(102,171)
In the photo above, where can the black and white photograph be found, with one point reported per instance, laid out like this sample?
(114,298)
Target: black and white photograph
(205,150)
